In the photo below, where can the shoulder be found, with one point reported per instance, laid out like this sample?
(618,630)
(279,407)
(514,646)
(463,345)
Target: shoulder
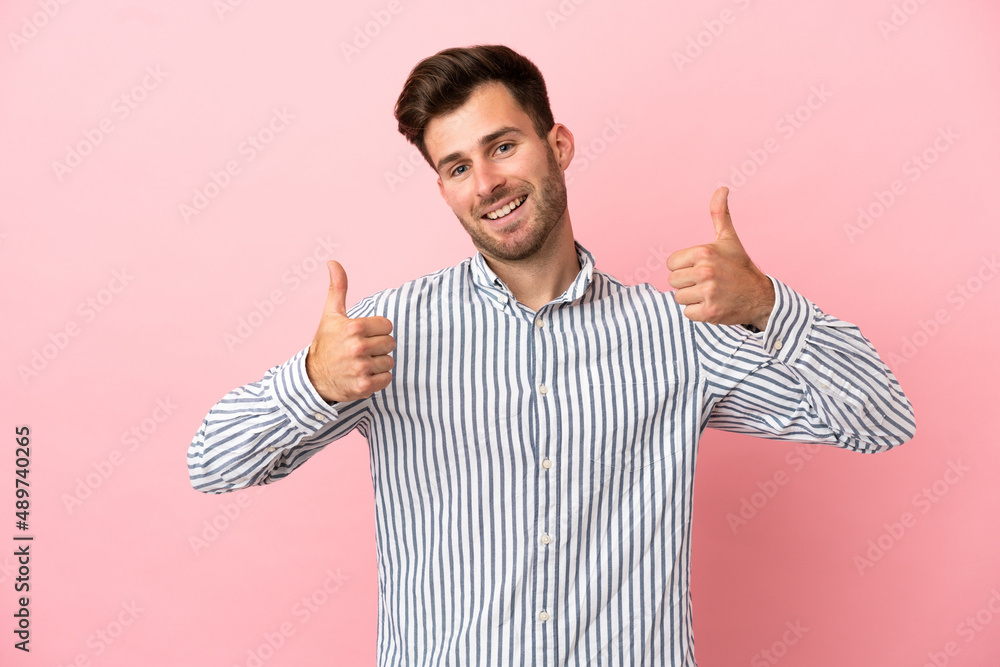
(606,286)
(422,288)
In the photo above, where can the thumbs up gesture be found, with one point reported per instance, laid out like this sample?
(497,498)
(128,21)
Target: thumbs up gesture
(716,282)
(348,358)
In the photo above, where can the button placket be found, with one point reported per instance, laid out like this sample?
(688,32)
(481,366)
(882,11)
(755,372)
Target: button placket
(546,562)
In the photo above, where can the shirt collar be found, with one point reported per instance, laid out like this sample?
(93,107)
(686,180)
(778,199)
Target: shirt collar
(485,279)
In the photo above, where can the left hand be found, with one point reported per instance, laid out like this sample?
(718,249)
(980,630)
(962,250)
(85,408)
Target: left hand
(716,282)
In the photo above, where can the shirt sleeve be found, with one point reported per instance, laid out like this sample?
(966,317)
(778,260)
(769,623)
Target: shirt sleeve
(808,377)
(262,431)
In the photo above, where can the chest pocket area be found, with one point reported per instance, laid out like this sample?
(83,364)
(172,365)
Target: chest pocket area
(630,428)
(621,387)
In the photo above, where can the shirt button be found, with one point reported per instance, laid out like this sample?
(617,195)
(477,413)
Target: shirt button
(544,616)
(539,323)
(546,464)
(543,389)
(270,449)
(502,298)
(546,539)
(777,344)
(319,416)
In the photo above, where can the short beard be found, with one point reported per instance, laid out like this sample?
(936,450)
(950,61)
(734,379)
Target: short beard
(550,207)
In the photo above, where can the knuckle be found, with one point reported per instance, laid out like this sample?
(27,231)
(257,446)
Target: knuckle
(373,384)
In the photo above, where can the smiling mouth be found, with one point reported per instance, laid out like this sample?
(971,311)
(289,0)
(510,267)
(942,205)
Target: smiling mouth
(506,209)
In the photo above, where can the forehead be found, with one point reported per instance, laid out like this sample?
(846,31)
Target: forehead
(489,107)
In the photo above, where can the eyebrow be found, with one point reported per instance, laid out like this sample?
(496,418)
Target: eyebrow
(485,139)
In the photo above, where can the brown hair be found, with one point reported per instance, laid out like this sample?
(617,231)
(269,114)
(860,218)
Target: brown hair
(444,82)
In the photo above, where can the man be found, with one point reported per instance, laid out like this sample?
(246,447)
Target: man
(533,437)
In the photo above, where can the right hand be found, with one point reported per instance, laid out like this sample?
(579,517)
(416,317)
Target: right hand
(348,358)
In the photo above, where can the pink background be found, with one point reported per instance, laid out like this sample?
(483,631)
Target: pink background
(655,136)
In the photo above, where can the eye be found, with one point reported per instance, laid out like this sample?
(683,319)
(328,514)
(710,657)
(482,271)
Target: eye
(505,144)
(456,172)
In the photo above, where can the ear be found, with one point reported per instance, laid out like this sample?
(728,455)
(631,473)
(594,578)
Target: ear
(441,188)
(562,143)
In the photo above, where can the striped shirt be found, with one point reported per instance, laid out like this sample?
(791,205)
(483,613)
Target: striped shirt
(533,470)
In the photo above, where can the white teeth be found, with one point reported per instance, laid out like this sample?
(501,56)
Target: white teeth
(499,213)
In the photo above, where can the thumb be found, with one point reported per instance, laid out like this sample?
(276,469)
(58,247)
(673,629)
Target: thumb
(336,301)
(720,215)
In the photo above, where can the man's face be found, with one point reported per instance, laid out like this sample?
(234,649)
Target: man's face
(488,156)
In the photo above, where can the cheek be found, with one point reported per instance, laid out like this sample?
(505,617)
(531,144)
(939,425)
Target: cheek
(458,202)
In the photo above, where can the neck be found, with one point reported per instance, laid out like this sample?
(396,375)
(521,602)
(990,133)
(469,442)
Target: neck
(544,276)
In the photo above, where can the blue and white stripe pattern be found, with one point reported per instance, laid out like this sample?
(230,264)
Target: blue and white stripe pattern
(533,471)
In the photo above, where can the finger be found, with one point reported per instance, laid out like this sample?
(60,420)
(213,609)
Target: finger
(336,300)
(380,380)
(682,278)
(374,325)
(688,296)
(681,259)
(721,219)
(695,312)
(382,364)
(379,346)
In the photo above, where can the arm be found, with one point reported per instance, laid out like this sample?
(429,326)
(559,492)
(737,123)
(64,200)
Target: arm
(804,375)
(261,432)
(807,377)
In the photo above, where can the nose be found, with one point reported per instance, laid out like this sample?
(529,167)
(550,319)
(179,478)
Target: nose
(489,177)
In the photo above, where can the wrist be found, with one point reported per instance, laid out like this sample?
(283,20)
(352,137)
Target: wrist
(311,373)
(767,298)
